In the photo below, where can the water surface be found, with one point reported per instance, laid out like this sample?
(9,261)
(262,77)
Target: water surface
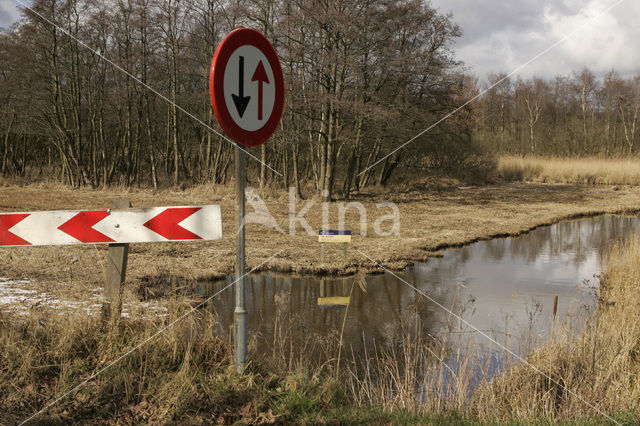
(505,287)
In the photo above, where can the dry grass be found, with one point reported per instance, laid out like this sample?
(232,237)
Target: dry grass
(423,372)
(431,218)
(414,370)
(594,355)
(601,363)
(49,353)
(606,171)
(44,356)
(182,376)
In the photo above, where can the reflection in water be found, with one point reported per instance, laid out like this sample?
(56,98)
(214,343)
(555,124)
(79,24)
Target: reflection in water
(504,287)
(334,294)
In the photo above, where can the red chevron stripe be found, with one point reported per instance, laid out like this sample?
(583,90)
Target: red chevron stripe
(7,221)
(166,223)
(80,227)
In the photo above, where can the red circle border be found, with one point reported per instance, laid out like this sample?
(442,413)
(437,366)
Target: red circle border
(233,40)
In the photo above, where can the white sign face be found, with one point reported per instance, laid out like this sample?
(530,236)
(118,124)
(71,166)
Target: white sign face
(249,88)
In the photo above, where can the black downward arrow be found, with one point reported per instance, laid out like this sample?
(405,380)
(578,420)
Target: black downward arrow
(240,100)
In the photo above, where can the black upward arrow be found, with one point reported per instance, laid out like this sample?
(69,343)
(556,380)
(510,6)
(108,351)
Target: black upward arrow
(240,100)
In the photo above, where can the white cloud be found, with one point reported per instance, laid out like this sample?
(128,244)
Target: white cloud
(611,41)
(9,13)
(500,35)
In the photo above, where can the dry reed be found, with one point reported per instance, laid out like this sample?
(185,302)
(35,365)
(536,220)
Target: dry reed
(600,364)
(415,371)
(606,171)
(185,374)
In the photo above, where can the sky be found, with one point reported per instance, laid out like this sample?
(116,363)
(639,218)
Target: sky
(501,35)
(8,13)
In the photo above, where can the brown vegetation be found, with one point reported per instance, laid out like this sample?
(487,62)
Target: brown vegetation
(600,363)
(183,375)
(47,353)
(352,96)
(431,218)
(593,170)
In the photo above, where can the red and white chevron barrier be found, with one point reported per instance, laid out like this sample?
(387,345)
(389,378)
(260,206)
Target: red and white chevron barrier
(154,224)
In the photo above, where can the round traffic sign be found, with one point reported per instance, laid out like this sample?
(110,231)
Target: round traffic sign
(247,87)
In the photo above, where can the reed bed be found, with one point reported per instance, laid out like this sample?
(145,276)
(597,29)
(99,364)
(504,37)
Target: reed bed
(413,371)
(592,171)
(597,367)
(185,374)
(586,373)
(429,373)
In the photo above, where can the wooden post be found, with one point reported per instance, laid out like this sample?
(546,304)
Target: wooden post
(555,307)
(345,251)
(116,271)
(321,252)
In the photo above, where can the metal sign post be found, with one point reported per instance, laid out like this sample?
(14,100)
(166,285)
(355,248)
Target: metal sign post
(247,95)
(240,313)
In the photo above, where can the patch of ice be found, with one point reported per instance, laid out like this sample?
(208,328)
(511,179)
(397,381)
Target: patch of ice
(18,300)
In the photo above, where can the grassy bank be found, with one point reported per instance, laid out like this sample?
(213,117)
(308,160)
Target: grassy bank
(598,366)
(183,375)
(604,171)
(432,217)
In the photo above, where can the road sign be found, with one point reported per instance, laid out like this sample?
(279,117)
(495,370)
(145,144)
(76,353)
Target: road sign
(247,94)
(334,236)
(154,224)
(247,87)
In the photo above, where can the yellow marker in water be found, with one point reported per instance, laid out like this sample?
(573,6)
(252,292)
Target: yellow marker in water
(333,301)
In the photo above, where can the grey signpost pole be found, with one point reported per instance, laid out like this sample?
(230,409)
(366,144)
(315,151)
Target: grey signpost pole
(240,313)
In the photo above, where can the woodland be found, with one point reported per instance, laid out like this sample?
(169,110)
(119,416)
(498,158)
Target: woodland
(362,77)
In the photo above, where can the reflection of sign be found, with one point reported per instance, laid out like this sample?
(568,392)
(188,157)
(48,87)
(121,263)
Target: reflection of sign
(334,236)
(334,293)
(333,301)
(247,87)
(154,224)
